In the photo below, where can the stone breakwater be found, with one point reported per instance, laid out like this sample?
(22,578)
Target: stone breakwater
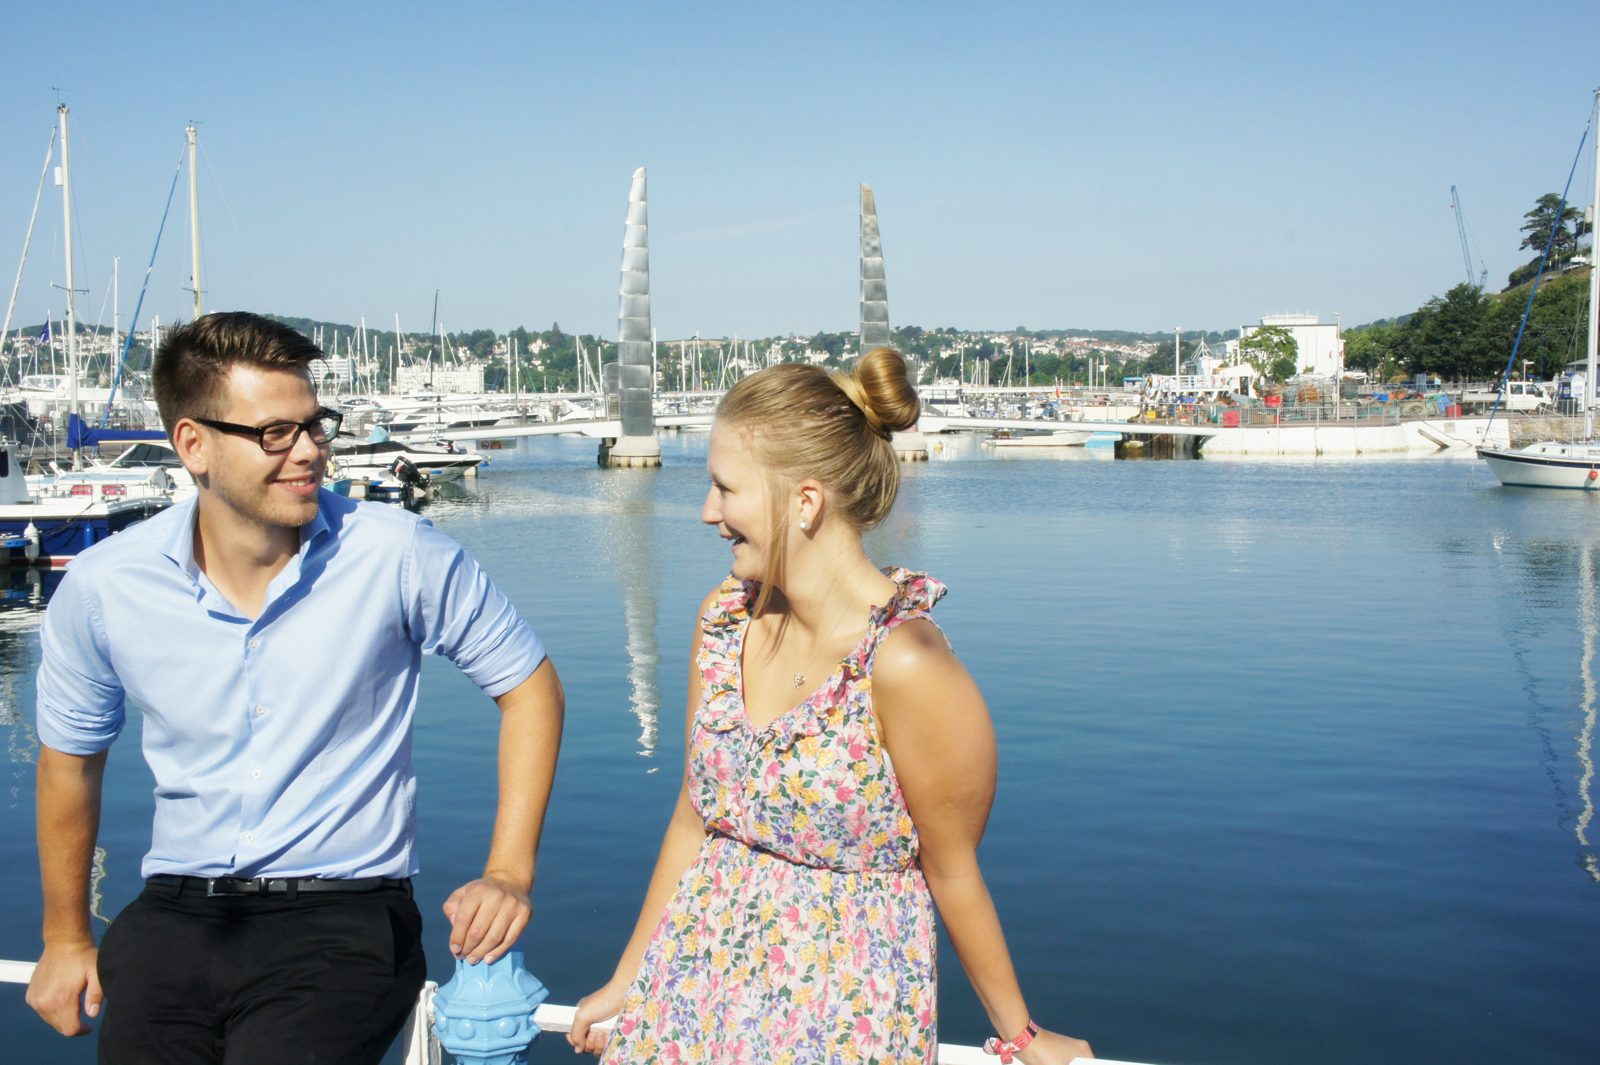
(1531,428)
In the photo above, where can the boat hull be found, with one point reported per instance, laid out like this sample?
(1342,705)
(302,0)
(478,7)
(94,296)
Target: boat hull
(1571,467)
(66,531)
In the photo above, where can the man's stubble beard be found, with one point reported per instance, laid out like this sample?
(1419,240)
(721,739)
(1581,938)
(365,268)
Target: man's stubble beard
(252,500)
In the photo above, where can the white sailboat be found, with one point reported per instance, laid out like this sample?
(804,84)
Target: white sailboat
(1549,463)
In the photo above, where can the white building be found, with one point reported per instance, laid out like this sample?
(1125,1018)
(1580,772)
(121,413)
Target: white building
(423,378)
(1321,349)
(340,371)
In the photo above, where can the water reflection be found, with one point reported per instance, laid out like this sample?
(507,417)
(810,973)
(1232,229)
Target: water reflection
(634,562)
(22,603)
(1585,738)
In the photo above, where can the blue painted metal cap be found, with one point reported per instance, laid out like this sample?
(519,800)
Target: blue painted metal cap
(485,1013)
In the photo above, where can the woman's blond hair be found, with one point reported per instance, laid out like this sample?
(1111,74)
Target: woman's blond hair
(802,421)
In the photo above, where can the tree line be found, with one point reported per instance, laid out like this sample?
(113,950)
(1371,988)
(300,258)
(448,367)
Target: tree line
(1468,334)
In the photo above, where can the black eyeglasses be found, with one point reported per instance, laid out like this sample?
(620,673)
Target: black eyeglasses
(282,436)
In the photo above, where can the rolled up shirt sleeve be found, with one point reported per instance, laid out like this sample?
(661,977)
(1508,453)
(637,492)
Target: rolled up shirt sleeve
(81,703)
(456,611)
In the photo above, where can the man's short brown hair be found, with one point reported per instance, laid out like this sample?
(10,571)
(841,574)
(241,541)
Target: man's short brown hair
(195,360)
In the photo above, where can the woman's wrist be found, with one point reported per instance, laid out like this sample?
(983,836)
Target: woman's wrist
(1007,1047)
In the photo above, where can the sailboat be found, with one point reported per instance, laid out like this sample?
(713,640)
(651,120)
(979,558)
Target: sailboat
(1550,463)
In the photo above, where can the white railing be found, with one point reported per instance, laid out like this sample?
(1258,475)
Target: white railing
(422,1046)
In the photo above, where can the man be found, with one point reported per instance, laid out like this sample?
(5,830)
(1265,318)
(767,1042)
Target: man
(272,633)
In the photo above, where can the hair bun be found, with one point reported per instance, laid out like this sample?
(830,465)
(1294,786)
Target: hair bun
(880,387)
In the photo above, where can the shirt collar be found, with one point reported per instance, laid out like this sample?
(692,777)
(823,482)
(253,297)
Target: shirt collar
(179,545)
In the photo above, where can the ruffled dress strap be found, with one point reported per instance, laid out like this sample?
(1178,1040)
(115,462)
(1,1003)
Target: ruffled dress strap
(916,594)
(723,628)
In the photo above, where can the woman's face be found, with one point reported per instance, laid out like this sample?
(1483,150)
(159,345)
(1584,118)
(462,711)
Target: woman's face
(737,502)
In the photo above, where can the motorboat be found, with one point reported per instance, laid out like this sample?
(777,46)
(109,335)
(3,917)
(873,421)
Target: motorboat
(135,464)
(1059,438)
(372,457)
(50,521)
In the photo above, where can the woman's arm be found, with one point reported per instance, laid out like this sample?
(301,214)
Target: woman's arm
(937,730)
(685,835)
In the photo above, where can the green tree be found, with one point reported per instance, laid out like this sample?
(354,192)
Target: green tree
(1370,348)
(1272,350)
(1548,213)
(1557,327)
(832,343)
(1444,338)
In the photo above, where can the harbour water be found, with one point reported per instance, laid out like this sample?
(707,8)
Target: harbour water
(1294,753)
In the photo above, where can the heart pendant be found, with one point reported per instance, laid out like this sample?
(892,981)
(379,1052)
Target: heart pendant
(799,679)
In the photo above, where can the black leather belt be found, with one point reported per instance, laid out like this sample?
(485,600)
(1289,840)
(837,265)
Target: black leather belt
(288,887)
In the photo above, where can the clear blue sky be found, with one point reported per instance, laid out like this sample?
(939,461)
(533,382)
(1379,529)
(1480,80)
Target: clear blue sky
(1126,165)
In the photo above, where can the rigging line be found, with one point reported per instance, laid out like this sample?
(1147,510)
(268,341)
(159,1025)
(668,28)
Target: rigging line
(133,322)
(261,292)
(1555,227)
(12,306)
(101,317)
(77,127)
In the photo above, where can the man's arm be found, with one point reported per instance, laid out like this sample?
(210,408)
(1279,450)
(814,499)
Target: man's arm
(487,915)
(68,822)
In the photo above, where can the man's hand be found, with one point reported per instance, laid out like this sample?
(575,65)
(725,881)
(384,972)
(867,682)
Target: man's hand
(486,917)
(64,972)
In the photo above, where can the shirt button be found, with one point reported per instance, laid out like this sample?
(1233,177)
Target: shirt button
(255,774)
(249,837)
(252,645)
(260,710)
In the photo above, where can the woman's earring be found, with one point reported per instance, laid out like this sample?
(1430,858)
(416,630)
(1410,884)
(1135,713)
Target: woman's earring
(803,523)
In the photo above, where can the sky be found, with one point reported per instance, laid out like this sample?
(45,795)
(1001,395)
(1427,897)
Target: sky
(1128,166)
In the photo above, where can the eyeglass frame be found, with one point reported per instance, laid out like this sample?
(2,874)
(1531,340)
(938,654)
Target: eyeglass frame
(260,431)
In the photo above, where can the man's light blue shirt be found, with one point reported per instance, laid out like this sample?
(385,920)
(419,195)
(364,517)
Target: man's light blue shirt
(281,747)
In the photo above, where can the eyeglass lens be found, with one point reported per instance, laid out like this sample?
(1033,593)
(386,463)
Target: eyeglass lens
(282,436)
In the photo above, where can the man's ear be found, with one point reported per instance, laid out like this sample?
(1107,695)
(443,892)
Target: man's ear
(191,446)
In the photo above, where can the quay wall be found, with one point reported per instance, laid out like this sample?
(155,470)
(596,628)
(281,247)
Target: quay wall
(1422,435)
(1531,428)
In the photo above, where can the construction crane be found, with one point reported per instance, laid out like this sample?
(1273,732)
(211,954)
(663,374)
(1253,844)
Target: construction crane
(1466,253)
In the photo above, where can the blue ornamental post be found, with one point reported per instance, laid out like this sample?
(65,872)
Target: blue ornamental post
(485,1013)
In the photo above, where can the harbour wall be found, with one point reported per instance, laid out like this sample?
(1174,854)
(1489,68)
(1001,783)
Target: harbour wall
(1531,428)
(1421,435)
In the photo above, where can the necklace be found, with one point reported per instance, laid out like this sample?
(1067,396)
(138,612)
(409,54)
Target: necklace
(800,678)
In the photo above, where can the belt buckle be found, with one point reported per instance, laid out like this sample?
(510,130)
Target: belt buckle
(211,885)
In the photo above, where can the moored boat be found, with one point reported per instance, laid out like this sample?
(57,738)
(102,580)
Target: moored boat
(70,513)
(1546,465)
(1555,463)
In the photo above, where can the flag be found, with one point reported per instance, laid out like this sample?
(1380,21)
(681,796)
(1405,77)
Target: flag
(44,334)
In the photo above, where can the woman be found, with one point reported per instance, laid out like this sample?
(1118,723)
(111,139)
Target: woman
(824,811)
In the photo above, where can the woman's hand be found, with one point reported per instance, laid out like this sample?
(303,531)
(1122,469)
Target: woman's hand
(1053,1048)
(602,1005)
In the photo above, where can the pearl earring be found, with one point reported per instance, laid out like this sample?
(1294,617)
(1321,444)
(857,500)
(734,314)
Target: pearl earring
(803,523)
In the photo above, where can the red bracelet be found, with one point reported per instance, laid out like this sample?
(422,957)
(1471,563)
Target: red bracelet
(1008,1047)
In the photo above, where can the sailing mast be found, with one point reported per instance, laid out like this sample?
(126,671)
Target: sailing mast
(72,310)
(194,220)
(1594,296)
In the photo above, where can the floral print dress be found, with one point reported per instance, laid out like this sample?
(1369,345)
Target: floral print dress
(803,931)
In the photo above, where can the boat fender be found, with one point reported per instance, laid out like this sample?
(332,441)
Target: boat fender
(1592,475)
(31,534)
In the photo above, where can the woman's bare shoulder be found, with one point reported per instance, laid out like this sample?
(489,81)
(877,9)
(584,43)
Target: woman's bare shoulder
(915,654)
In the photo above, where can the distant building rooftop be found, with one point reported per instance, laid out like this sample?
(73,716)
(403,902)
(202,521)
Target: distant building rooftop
(1290,319)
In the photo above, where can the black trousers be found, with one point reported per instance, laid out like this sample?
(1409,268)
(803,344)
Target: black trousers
(242,980)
